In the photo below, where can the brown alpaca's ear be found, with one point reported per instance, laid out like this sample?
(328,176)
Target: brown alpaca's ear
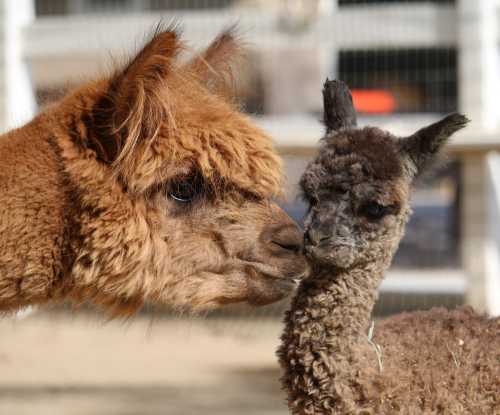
(423,146)
(135,104)
(214,66)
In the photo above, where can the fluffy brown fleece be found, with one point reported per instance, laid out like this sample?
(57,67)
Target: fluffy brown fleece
(145,186)
(335,361)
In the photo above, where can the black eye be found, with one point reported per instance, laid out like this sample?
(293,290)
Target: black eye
(374,211)
(341,189)
(183,191)
(313,200)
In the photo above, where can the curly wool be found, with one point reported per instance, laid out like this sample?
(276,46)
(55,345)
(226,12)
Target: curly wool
(430,362)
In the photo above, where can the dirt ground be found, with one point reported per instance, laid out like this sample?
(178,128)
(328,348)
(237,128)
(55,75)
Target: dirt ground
(60,364)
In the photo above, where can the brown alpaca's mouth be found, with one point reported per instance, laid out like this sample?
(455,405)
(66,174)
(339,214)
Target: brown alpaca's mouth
(267,290)
(267,284)
(249,281)
(260,290)
(288,276)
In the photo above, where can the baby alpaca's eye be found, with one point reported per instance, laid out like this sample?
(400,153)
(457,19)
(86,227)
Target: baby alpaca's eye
(374,211)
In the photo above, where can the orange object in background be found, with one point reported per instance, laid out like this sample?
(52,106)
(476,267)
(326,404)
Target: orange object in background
(373,101)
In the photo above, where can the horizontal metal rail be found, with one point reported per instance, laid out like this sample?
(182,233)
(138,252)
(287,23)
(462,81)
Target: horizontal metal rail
(397,26)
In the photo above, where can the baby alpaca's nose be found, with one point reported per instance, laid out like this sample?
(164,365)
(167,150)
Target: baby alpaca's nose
(315,236)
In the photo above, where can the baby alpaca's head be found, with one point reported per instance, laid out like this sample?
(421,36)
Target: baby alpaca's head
(359,184)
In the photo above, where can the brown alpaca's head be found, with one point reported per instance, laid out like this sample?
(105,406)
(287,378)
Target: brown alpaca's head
(176,187)
(358,186)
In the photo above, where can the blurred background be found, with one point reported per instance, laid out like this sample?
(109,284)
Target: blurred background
(407,62)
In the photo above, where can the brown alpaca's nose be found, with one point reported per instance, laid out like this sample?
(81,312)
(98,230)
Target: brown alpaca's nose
(284,249)
(280,250)
(287,238)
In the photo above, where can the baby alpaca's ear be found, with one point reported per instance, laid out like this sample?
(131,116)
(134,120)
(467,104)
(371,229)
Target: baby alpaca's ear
(338,108)
(135,104)
(423,146)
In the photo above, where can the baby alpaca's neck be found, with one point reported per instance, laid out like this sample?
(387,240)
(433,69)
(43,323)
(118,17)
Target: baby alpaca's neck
(329,316)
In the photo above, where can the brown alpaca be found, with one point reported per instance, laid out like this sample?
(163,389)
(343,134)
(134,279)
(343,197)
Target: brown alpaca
(145,186)
(335,361)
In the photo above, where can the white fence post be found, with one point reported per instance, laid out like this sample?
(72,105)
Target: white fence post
(492,248)
(479,61)
(17,98)
(473,227)
(479,82)
(481,231)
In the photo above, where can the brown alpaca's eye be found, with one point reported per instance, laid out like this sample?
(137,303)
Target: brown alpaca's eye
(186,188)
(183,192)
(374,211)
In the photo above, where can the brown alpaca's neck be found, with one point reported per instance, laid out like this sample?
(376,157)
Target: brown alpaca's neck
(329,318)
(37,220)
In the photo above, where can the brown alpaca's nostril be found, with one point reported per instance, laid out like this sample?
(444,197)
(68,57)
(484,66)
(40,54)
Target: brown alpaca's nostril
(287,238)
(288,246)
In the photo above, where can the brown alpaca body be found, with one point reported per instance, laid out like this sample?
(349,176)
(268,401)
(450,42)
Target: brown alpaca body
(450,359)
(147,186)
(434,362)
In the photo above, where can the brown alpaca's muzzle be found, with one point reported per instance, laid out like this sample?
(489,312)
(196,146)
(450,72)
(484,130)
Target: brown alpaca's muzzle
(279,260)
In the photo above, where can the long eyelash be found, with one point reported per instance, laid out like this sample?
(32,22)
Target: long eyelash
(194,178)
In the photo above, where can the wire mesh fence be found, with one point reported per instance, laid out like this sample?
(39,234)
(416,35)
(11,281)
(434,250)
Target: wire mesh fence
(401,59)
(61,7)
(296,50)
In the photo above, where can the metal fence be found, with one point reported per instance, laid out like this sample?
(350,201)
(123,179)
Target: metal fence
(63,7)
